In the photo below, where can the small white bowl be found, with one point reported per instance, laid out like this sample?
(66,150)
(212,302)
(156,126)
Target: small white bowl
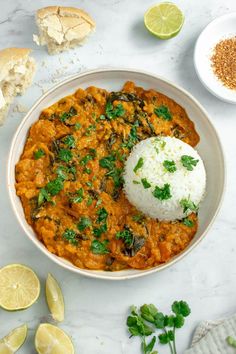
(209,148)
(221,28)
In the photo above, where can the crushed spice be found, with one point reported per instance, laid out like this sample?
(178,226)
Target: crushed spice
(224,62)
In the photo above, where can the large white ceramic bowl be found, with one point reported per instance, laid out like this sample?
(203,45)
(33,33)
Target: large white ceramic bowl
(221,28)
(209,148)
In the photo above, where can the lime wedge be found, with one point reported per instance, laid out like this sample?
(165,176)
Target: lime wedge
(54,298)
(164,20)
(19,287)
(50,339)
(14,340)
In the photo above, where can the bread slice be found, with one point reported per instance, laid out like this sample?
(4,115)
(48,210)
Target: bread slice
(16,73)
(62,28)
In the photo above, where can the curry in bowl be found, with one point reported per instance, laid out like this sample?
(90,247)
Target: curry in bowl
(70,178)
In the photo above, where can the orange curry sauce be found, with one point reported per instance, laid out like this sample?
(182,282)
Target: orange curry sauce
(69,178)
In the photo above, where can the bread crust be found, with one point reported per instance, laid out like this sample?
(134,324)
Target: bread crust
(13,54)
(64,11)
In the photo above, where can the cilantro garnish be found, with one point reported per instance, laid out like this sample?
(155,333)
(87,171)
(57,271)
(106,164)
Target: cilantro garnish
(84,223)
(114,112)
(99,247)
(132,138)
(69,140)
(102,215)
(162,193)
(90,129)
(145,183)
(98,231)
(86,159)
(77,126)
(231,341)
(188,162)
(126,235)
(78,198)
(70,236)
(107,162)
(65,155)
(55,186)
(38,154)
(170,166)
(139,164)
(188,205)
(89,201)
(188,222)
(43,196)
(136,182)
(138,218)
(163,112)
(72,112)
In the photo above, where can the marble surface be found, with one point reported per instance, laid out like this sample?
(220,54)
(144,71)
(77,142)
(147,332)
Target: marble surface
(96,310)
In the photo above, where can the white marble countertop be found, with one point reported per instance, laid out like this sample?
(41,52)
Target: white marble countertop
(96,311)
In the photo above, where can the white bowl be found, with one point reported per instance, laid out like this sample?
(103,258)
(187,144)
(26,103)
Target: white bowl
(221,28)
(209,148)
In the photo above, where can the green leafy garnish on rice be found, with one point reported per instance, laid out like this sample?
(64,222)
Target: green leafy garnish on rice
(188,205)
(145,183)
(169,166)
(162,193)
(188,162)
(139,164)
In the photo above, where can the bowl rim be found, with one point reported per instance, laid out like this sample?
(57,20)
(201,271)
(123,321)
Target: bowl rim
(195,61)
(82,271)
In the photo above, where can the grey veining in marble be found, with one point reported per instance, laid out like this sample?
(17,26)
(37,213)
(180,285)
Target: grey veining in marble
(96,310)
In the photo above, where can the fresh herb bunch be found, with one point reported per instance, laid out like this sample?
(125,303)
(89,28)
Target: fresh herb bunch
(145,321)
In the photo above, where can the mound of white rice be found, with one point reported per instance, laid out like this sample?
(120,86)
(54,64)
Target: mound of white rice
(164,178)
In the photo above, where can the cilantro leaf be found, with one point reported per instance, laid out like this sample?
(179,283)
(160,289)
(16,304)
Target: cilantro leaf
(188,222)
(70,236)
(231,341)
(166,337)
(126,235)
(78,198)
(98,231)
(145,183)
(69,140)
(114,112)
(77,126)
(139,164)
(102,215)
(107,162)
(188,162)
(149,312)
(99,247)
(181,308)
(163,112)
(38,154)
(188,205)
(162,193)
(170,166)
(55,186)
(43,196)
(72,112)
(65,155)
(84,223)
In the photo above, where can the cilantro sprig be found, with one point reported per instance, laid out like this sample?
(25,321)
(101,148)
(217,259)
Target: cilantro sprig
(145,321)
(163,112)
(114,112)
(163,193)
(188,162)
(38,154)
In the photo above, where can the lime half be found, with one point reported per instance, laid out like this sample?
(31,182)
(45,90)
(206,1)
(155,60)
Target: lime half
(164,20)
(50,339)
(14,340)
(19,287)
(54,298)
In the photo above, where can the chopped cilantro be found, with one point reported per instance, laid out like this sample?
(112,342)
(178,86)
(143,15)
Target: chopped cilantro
(99,247)
(78,198)
(89,184)
(145,183)
(84,223)
(170,166)
(139,164)
(65,155)
(61,172)
(126,235)
(162,193)
(86,159)
(102,117)
(72,112)
(43,196)
(136,182)
(163,112)
(38,154)
(55,186)
(188,205)
(188,162)
(188,222)
(89,201)
(138,218)
(132,138)
(70,236)
(107,162)
(69,140)
(102,215)
(114,112)
(87,170)
(91,127)
(98,231)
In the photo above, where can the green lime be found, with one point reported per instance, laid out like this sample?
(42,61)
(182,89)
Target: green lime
(14,340)
(19,287)
(164,20)
(54,298)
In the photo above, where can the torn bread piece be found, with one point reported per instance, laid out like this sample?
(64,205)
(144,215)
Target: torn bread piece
(17,69)
(62,28)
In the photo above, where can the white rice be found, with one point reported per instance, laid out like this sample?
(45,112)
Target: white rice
(184,184)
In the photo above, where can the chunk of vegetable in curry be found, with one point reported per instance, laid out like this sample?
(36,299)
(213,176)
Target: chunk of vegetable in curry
(69,178)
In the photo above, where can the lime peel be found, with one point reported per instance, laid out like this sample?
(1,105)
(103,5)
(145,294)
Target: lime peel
(54,298)
(14,340)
